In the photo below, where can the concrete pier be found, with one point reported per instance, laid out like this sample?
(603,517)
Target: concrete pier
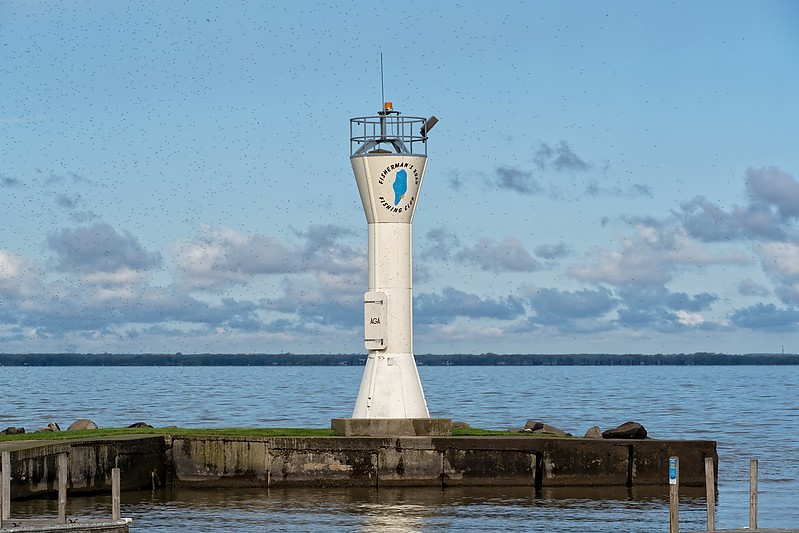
(34,464)
(434,461)
(222,461)
(77,526)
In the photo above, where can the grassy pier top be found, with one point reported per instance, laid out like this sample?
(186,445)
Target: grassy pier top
(226,432)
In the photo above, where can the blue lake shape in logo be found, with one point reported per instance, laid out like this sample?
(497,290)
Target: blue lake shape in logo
(400,186)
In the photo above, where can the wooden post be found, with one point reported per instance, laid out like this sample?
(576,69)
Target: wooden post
(5,489)
(753,494)
(63,474)
(115,514)
(674,494)
(710,491)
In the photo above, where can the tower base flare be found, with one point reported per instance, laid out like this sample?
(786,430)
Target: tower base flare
(390,388)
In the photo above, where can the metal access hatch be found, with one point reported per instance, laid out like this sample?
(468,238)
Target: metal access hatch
(375,305)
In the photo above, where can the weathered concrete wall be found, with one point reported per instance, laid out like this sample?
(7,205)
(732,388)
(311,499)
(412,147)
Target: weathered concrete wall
(34,470)
(649,455)
(216,461)
(274,461)
(434,461)
(219,461)
(587,462)
(409,462)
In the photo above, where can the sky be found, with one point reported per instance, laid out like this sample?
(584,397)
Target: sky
(611,177)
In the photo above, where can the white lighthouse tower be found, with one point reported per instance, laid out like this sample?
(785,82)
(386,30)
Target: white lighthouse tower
(389,156)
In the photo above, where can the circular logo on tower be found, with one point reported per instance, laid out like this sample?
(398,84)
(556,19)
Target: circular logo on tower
(399,183)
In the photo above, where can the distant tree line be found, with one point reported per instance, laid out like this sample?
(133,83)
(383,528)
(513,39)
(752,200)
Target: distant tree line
(486,359)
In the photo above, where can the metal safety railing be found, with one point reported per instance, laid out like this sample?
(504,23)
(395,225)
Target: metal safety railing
(388,132)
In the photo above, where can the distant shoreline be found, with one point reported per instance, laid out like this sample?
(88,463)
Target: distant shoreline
(488,359)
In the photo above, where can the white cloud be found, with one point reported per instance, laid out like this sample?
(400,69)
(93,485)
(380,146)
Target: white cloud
(687,318)
(508,255)
(652,254)
(748,287)
(519,181)
(100,248)
(222,256)
(323,299)
(774,187)
(789,292)
(18,275)
(99,290)
(781,258)
(121,277)
(10,266)
(559,157)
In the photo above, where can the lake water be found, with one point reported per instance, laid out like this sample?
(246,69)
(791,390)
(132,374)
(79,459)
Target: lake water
(752,412)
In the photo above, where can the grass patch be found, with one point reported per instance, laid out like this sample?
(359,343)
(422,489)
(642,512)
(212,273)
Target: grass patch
(235,432)
(478,432)
(224,432)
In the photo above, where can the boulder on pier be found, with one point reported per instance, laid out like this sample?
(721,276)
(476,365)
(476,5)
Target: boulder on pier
(628,430)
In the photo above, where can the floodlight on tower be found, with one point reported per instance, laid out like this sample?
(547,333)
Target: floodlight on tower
(389,160)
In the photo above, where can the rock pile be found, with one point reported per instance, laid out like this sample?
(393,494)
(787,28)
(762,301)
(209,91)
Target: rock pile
(628,430)
(49,428)
(84,424)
